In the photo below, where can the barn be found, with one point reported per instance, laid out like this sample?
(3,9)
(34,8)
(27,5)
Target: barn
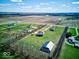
(40,33)
(47,47)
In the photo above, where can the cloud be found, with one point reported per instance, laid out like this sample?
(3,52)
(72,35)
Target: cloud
(44,3)
(75,2)
(3,5)
(65,5)
(16,0)
(37,8)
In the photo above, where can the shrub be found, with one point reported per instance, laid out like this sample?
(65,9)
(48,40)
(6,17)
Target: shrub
(68,34)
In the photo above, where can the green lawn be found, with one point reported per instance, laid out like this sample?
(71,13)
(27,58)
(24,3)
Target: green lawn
(16,27)
(69,52)
(78,30)
(73,31)
(32,44)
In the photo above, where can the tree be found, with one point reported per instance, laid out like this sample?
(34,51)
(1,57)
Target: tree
(68,34)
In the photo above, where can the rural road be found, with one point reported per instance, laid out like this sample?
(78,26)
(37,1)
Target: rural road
(57,51)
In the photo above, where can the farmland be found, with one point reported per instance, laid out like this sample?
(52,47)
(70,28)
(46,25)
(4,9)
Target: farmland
(14,37)
(9,34)
(69,51)
(18,39)
(31,45)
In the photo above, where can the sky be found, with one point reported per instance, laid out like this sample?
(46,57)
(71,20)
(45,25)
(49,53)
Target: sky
(39,6)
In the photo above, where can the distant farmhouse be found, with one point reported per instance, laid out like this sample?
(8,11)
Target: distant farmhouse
(40,33)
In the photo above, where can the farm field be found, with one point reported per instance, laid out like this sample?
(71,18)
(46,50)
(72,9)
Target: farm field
(21,44)
(70,23)
(8,33)
(31,45)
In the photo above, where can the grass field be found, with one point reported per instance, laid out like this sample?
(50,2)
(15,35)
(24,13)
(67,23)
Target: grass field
(31,45)
(18,27)
(6,35)
(69,52)
(73,31)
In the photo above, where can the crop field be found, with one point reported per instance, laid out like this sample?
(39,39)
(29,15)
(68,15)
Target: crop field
(70,23)
(9,33)
(31,45)
(18,27)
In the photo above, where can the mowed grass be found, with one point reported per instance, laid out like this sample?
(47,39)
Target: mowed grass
(73,31)
(33,43)
(69,52)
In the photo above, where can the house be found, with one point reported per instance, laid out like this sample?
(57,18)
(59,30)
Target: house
(40,33)
(29,31)
(47,47)
(71,40)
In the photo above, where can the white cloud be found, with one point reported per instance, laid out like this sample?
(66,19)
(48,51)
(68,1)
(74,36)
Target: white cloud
(26,7)
(3,5)
(37,8)
(65,5)
(44,3)
(75,2)
(16,0)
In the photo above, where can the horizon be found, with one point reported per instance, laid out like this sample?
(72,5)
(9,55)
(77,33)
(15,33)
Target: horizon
(39,12)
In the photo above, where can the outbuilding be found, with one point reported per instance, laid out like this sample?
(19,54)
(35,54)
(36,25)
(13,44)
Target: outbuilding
(40,33)
(47,47)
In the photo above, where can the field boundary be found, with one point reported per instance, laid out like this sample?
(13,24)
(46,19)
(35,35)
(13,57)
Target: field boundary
(57,51)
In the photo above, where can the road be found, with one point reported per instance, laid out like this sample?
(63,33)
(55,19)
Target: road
(57,51)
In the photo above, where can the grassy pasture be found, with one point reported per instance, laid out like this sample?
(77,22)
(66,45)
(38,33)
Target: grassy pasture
(31,45)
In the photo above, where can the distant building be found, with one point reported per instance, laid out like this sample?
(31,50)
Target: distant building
(40,33)
(47,47)
(29,31)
